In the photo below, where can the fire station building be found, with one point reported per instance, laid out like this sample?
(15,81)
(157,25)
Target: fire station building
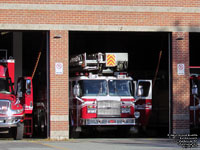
(69,24)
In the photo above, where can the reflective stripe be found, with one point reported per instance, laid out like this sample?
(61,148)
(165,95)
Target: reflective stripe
(111,60)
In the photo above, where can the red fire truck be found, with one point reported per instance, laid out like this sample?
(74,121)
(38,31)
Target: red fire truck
(102,94)
(15,108)
(195,101)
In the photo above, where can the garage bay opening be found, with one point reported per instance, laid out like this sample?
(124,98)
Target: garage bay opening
(146,66)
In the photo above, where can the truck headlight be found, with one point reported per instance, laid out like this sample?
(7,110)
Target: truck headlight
(11,112)
(91,109)
(17,111)
(125,110)
(137,114)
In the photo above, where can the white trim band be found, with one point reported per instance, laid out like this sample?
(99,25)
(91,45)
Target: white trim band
(59,135)
(181,131)
(98,28)
(100,8)
(181,117)
(59,118)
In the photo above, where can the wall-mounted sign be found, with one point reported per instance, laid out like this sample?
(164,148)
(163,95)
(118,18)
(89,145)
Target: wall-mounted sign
(59,68)
(181,69)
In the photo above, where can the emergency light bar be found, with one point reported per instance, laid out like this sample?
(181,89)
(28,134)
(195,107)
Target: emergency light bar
(121,76)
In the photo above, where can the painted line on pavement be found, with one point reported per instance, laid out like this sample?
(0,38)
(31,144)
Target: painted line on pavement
(51,146)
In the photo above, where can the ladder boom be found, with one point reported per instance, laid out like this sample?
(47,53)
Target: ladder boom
(101,62)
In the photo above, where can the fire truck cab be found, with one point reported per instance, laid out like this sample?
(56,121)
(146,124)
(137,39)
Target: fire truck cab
(15,107)
(103,94)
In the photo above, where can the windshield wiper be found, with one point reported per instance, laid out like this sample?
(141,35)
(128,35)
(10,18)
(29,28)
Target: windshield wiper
(116,91)
(100,91)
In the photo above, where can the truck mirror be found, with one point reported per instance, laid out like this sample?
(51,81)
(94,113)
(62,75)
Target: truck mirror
(28,87)
(76,90)
(140,91)
(11,85)
(194,90)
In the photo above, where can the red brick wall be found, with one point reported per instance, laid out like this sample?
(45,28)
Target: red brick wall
(181,85)
(98,18)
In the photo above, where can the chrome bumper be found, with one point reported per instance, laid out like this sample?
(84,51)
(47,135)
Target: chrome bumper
(109,121)
(7,122)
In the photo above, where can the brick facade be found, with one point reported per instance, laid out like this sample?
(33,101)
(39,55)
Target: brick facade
(60,16)
(59,85)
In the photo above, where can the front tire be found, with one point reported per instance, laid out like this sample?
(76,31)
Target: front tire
(74,133)
(19,131)
(43,128)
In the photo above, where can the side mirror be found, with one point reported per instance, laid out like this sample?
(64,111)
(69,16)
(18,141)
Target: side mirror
(11,85)
(140,91)
(76,90)
(194,90)
(19,91)
(28,87)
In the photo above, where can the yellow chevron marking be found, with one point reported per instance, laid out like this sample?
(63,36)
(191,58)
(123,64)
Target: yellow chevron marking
(111,60)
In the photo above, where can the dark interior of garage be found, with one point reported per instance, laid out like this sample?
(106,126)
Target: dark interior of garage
(194,71)
(6,42)
(35,49)
(34,63)
(148,59)
(194,49)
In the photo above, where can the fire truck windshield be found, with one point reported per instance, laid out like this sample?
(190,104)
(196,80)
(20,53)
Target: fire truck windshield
(120,88)
(94,87)
(100,88)
(4,86)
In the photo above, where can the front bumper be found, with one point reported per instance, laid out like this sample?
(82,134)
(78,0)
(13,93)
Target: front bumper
(8,122)
(109,121)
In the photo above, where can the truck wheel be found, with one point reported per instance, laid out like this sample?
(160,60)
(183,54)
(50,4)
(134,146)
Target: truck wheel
(74,133)
(43,128)
(123,131)
(19,132)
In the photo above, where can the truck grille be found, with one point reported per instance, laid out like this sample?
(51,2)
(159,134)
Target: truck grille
(108,108)
(4,106)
